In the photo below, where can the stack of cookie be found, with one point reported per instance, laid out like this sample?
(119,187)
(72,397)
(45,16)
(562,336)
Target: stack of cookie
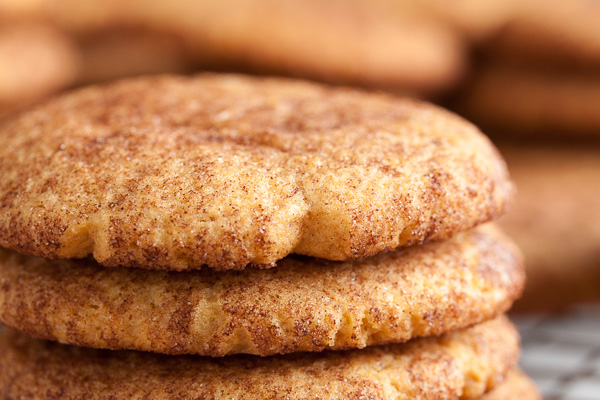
(537,90)
(539,74)
(556,222)
(216,219)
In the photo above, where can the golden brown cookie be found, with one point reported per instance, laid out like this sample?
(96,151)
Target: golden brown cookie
(302,305)
(35,61)
(337,41)
(477,21)
(521,101)
(21,10)
(341,41)
(73,16)
(556,222)
(555,32)
(118,52)
(221,170)
(459,365)
(516,386)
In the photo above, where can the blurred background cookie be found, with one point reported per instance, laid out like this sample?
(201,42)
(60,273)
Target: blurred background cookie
(556,222)
(342,42)
(368,44)
(474,20)
(35,61)
(538,75)
(557,32)
(513,101)
(115,52)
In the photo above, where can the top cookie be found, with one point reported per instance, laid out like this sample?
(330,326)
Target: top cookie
(225,171)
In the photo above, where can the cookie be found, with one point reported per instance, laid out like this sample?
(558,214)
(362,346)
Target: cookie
(341,42)
(118,52)
(35,61)
(220,170)
(555,32)
(556,222)
(465,364)
(515,101)
(72,16)
(349,42)
(302,305)
(20,10)
(477,21)
(516,386)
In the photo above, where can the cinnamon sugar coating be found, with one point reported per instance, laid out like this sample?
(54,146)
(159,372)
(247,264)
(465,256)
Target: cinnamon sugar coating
(464,364)
(225,171)
(302,305)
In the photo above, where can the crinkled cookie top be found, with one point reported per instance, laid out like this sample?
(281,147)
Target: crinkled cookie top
(302,305)
(462,364)
(225,171)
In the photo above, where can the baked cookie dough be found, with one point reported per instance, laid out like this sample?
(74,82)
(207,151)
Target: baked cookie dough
(464,365)
(509,100)
(35,61)
(221,170)
(556,222)
(302,305)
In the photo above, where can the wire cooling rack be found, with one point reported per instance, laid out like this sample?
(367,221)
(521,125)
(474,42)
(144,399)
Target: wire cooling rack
(561,352)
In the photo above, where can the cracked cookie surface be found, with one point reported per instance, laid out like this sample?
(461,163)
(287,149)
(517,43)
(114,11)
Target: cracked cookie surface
(226,171)
(463,364)
(302,305)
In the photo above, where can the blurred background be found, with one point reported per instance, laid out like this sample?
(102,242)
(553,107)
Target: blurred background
(527,72)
